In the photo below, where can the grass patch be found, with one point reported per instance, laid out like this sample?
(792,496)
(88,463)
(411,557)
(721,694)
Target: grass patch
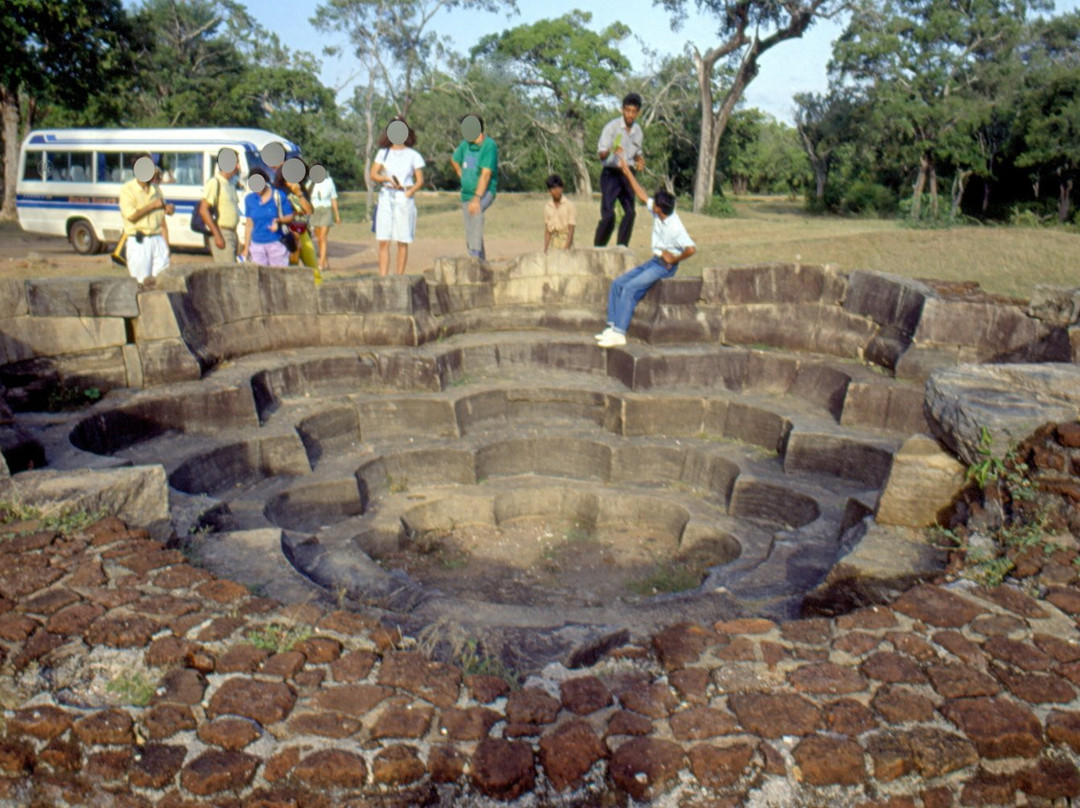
(277,637)
(134,689)
(665,578)
(475,661)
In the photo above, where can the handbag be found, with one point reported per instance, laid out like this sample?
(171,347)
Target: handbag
(284,233)
(197,223)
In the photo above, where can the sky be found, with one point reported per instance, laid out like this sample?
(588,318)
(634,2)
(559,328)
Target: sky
(791,67)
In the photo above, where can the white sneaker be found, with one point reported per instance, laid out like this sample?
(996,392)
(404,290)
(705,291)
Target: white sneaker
(612,340)
(607,332)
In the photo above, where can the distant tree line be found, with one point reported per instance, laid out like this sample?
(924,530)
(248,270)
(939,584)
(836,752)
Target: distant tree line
(936,109)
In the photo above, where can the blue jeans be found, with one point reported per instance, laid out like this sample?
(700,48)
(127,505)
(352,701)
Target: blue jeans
(630,287)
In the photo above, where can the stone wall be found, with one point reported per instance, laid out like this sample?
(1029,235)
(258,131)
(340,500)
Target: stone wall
(104,333)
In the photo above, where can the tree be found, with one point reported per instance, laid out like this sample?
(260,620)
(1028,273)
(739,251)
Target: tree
(50,51)
(823,123)
(1050,112)
(921,64)
(393,43)
(565,64)
(741,47)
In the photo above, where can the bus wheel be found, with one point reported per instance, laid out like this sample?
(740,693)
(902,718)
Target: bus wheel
(83,238)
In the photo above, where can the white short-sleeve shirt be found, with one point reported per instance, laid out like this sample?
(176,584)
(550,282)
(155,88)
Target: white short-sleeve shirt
(401,163)
(668,235)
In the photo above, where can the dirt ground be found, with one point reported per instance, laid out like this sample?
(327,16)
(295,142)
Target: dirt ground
(543,563)
(29,255)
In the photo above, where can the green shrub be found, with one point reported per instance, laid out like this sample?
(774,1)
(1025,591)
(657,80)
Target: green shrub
(719,207)
(869,198)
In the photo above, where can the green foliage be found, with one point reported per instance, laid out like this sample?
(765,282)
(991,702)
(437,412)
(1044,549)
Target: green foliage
(18,512)
(475,661)
(869,199)
(70,396)
(278,637)
(134,689)
(718,206)
(1003,480)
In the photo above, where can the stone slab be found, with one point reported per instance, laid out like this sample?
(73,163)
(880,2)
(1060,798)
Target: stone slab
(82,297)
(29,337)
(1010,401)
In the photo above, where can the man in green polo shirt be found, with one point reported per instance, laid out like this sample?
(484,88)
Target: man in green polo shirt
(476,162)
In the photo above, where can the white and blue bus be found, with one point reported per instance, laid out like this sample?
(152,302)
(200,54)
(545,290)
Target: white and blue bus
(69,179)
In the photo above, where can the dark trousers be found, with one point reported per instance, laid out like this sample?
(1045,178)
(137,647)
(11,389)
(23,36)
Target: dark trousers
(614,186)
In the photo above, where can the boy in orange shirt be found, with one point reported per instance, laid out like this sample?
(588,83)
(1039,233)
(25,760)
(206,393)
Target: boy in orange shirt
(559,216)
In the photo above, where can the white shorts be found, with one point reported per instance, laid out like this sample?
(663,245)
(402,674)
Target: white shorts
(146,260)
(395,220)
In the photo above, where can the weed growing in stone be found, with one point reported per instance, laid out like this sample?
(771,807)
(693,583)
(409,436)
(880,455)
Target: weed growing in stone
(1006,519)
(66,396)
(395,485)
(666,577)
(475,661)
(68,522)
(13,511)
(278,638)
(134,689)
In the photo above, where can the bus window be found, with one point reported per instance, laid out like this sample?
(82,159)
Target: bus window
(117,168)
(81,166)
(182,168)
(35,167)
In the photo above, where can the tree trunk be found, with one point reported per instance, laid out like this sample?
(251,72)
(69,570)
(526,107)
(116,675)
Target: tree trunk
(986,196)
(9,111)
(369,138)
(821,176)
(1064,191)
(959,185)
(933,189)
(920,185)
(714,122)
(582,180)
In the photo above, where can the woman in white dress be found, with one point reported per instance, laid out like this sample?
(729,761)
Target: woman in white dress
(399,169)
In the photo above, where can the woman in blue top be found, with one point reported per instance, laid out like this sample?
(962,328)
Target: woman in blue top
(268,213)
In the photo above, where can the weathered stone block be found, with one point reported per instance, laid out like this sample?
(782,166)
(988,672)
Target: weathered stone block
(550,290)
(29,337)
(389,329)
(138,495)
(167,360)
(663,416)
(156,318)
(82,297)
(840,333)
(1010,401)
(838,455)
(382,419)
(13,298)
(222,295)
(287,290)
(755,425)
(760,499)
(1054,305)
(457,269)
(822,385)
(918,362)
(924,480)
(392,294)
(663,462)
(888,300)
(770,372)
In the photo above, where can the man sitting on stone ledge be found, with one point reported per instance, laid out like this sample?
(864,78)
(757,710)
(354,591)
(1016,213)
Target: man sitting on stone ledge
(670,245)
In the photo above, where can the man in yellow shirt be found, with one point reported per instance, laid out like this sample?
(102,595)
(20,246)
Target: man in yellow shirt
(559,216)
(144,209)
(219,196)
